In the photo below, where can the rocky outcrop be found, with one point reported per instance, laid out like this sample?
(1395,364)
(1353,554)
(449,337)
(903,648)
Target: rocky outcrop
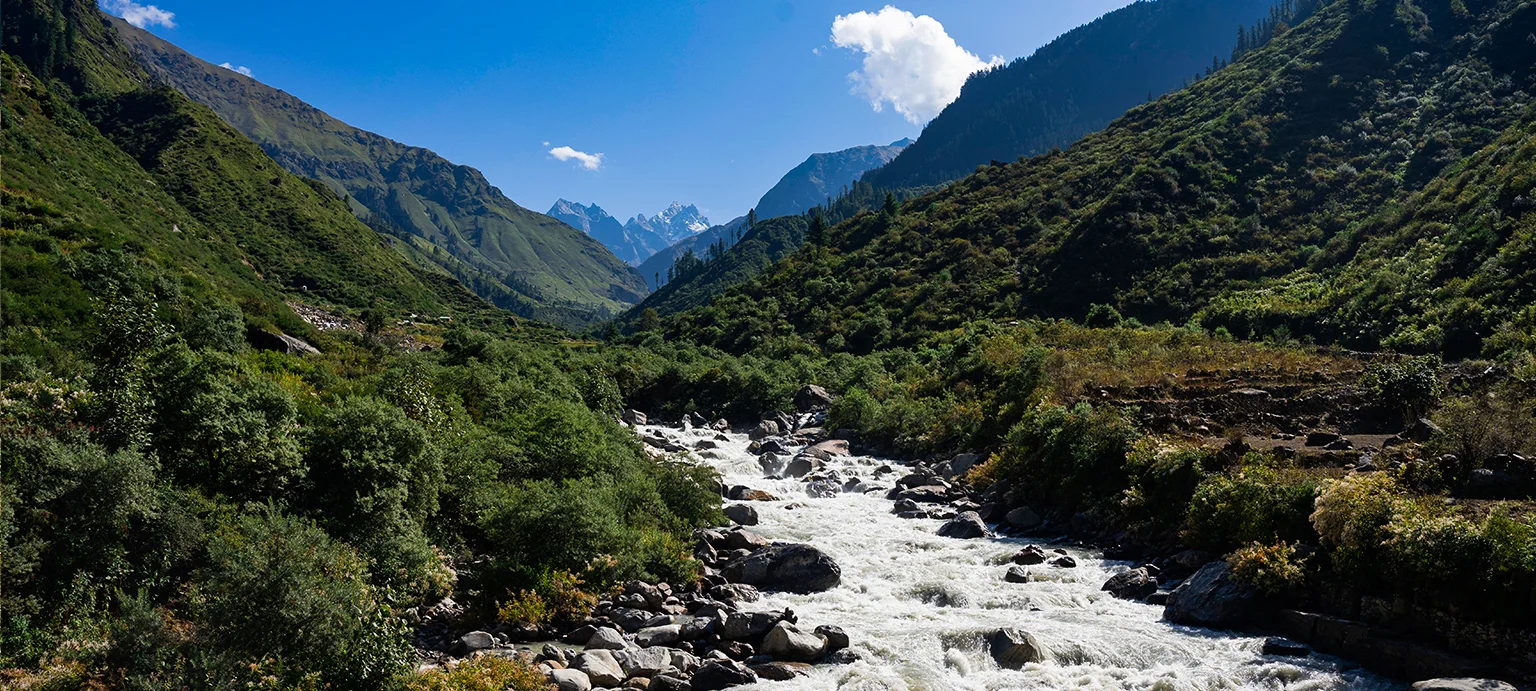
(812,397)
(1211,598)
(792,568)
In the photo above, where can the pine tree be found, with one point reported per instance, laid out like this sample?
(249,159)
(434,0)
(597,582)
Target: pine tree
(817,235)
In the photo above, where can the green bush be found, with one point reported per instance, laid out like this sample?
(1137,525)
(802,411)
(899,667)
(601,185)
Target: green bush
(1071,458)
(1477,428)
(1408,385)
(1162,481)
(1252,503)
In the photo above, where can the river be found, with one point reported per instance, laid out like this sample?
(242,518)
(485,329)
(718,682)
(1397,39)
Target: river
(917,606)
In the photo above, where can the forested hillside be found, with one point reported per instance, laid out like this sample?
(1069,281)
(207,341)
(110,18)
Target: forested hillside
(822,177)
(1280,193)
(1073,85)
(528,262)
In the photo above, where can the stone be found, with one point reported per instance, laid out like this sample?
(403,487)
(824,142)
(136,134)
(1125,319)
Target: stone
(1422,430)
(579,635)
(667,682)
(570,680)
(772,446)
(635,418)
(1030,555)
(742,514)
(812,397)
(279,342)
(794,568)
(1285,647)
(735,592)
(1322,438)
(831,447)
(742,625)
(744,539)
(1185,563)
(822,489)
(841,657)
(763,430)
(659,635)
(683,661)
(643,662)
(630,619)
(601,667)
(1023,518)
(736,650)
(606,639)
(721,674)
(1064,562)
(1340,444)
(1013,648)
(967,525)
(802,466)
(771,463)
(785,641)
(1016,574)
(1462,684)
(749,494)
(836,638)
(927,494)
(476,640)
(1134,584)
(552,652)
(1211,598)
(781,671)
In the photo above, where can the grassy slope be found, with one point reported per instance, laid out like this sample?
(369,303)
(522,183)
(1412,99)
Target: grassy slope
(1293,160)
(118,165)
(562,273)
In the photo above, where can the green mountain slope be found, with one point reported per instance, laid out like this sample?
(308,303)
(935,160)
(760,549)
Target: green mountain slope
(1279,192)
(100,163)
(822,176)
(525,261)
(1074,85)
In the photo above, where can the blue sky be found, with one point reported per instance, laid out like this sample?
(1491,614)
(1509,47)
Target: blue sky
(705,102)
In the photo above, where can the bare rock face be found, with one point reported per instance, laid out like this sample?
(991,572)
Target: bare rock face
(793,568)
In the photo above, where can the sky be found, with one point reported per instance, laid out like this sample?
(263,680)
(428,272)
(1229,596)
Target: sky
(632,104)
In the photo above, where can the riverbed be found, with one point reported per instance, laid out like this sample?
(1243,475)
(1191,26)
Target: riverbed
(918,606)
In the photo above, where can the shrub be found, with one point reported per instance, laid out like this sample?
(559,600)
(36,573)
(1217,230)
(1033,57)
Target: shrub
(1271,568)
(1351,517)
(485,673)
(1251,503)
(280,597)
(1477,428)
(1410,385)
(1163,479)
(1073,457)
(526,607)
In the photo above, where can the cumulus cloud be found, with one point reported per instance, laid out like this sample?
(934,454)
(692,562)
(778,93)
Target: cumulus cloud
(140,15)
(242,69)
(909,61)
(583,159)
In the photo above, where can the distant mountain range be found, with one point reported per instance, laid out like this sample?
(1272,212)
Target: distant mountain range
(640,238)
(443,214)
(823,176)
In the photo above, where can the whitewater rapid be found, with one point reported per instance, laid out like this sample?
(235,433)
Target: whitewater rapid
(918,607)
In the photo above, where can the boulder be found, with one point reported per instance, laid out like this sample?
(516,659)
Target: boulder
(771,463)
(802,466)
(279,342)
(785,641)
(1013,648)
(721,674)
(600,667)
(823,489)
(1462,684)
(744,539)
(643,662)
(667,682)
(740,493)
(742,514)
(812,397)
(831,447)
(781,671)
(792,567)
(659,635)
(967,525)
(1016,574)
(772,446)
(763,430)
(1134,584)
(744,625)
(836,638)
(635,418)
(1422,430)
(1185,563)
(579,635)
(476,640)
(1211,598)
(606,639)
(1322,438)
(570,680)
(1285,647)
(1030,555)
(735,592)
(962,464)
(927,494)
(1023,518)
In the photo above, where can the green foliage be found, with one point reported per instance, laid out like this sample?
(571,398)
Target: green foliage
(1254,502)
(1073,458)
(1272,568)
(1478,427)
(487,673)
(1410,385)
(1162,482)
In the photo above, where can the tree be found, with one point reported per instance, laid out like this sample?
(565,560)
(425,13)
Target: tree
(891,206)
(650,320)
(817,234)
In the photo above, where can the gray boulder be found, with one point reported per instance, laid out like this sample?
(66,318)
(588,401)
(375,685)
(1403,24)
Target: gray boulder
(812,397)
(476,640)
(659,635)
(606,639)
(667,682)
(794,568)
(763,430)
(781,671)
(786,641)
(601,668)
(1030,555)
(643,662)
(570,680)
(742,514)
(634,417)
(721,674)
(1211,598)
(927,494)
(1022,518)
(1016,574)
(1134,584)
(743,625)
(1013,648)
(836,638)
(802,466)
(965,526)
(830,448)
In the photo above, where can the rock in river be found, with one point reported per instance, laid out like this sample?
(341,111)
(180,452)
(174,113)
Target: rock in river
(1210,598)
(1131,585)
(965,526)
(792,567)
(722,674)
(1013,648)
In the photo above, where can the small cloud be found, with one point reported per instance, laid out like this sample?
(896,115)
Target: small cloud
(546,143)
(815,51)
(242,69)
(909,61)
(585,160)
(140,15)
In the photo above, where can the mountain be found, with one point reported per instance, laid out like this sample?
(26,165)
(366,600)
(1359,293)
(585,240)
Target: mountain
(655,269)
(120,189)
(823,176)
(528,262)
(625,244)
(1364,179)
(675,223)
(1072,86)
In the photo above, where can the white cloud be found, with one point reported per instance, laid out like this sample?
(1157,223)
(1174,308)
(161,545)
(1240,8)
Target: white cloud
(242,69)
(909,61)
(585,160)
(140,15)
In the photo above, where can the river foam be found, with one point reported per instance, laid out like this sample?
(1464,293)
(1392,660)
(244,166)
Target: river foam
(918,607)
